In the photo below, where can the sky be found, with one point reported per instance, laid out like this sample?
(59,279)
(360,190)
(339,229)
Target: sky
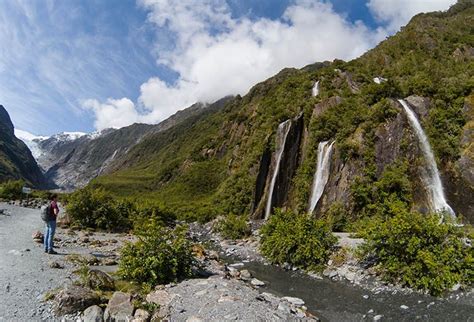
(87,65)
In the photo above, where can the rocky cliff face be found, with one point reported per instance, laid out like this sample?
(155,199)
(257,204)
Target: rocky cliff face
(16,160)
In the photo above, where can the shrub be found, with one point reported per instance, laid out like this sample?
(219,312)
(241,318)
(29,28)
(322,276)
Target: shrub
(95,208)
(300,240)
(233,227)
(12,189)
(161,255)
(417,251)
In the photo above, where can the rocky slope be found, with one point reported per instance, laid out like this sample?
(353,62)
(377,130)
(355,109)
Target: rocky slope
(235,159)
(16,160)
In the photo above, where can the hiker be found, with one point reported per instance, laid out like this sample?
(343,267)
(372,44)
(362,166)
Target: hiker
(51,225)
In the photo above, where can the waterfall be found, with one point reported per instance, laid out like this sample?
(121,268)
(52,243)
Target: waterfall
(431,175)
(321,175)
(316,89)
(282,133)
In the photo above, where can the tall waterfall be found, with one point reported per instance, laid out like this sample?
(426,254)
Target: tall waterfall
(321,175)
(282,133)
(316,89)
(431,175)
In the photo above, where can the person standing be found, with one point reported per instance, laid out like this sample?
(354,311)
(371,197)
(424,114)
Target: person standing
(51,225)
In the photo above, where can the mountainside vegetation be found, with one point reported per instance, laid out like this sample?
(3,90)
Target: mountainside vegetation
(220,161)
(16,160)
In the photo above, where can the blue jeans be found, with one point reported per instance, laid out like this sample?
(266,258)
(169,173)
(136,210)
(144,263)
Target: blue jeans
(49,235)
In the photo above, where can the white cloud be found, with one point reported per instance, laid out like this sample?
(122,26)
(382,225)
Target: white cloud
(217,55)
(397,13)
(113,114)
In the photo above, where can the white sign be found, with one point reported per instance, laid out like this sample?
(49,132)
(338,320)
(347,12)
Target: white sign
(26,190)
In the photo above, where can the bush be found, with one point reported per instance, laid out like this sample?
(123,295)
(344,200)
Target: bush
(95,208)
(161,255)
(299,240)
(12,190)
(233,227)
(417,251)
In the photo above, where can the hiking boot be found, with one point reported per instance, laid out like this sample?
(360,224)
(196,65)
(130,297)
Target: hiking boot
(52,252)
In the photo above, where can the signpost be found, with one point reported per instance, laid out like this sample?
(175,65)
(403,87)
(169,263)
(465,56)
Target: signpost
(27,192)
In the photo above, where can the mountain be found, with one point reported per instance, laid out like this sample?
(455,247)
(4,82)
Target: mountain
(378,154)
(72,159)
(16,160)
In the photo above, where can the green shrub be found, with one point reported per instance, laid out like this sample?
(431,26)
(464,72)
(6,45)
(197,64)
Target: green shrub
(12,189)
(299,240)
(337,217)
(95,208)
(161,255)
(417,251)
(233,227)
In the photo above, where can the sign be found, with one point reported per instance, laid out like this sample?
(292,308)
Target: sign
(26,190)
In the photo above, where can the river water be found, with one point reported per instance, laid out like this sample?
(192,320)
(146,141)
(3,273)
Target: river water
(341,301)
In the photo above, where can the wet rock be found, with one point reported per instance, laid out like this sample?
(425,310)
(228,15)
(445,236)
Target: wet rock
(93,314)
(293,300)
(378,317)
(141,316)
(74,299)
(119,308)
(256,282)
(404,307)
(100,280)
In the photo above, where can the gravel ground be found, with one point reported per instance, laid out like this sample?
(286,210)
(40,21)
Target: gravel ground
(25,272)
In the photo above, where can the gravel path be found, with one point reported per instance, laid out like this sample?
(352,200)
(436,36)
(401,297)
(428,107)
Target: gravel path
(25,274)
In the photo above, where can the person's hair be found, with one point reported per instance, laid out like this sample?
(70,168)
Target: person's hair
(53,196)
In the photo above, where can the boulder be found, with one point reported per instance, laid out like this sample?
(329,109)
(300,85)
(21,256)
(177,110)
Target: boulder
(93,314)
(100,280)
(245,275)
(141,316)
(119,308)
(161,298)
(256,282)
(73,299)
(294,300)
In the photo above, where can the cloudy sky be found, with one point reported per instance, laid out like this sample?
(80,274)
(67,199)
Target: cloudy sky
(85,65)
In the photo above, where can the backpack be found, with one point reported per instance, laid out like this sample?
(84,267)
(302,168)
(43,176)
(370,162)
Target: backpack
(46,213)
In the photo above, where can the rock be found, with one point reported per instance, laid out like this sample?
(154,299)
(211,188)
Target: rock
(54,264)
(404,307)
(456,287)
(245,275)
(100,280)
(213,255)
(141,316)
(365,296)
(109,262)
(37,236)
(256,282)
(161,298)
(93,314)
(74,299)
(119,308)
(284,308)
(293,300)
(378,317)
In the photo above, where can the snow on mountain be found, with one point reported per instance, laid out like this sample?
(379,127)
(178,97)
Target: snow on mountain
(32,141)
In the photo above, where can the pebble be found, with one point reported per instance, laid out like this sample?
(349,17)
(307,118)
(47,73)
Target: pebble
(404,307)
(365,296)
(378,317)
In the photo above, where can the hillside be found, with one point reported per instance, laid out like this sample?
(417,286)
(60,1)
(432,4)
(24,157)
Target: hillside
(71,161)
(16,161)
(259,151)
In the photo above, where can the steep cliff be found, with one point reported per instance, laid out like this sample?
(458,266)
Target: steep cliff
(16,161)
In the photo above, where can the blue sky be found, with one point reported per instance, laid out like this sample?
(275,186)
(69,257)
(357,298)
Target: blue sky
(85,65)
